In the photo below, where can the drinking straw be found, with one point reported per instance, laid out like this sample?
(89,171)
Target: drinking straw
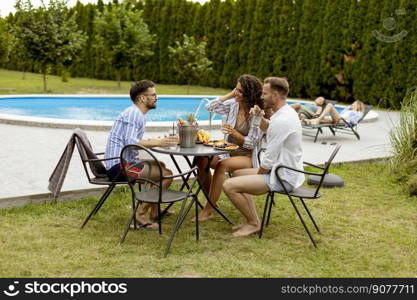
(173,130)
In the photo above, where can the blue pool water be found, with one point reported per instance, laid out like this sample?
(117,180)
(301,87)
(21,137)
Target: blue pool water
(99,109)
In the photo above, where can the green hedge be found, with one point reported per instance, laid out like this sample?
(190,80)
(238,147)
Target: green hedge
(324,47)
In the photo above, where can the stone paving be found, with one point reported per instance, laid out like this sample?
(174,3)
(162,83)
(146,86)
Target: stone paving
(28,155)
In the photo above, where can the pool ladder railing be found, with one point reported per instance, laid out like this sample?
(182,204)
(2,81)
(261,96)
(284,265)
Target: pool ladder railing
(211,115)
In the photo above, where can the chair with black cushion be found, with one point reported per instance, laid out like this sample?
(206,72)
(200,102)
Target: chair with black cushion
(153,192)
(301,193)
(96,172)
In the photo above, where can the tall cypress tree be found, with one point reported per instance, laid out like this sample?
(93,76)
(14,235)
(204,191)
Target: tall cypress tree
(279,34)
(258,39)
(210,35)
(221,40)
(382,87)
(247,24)
(291,14)
(306,72)
(331,52)
(410,25)
(196,29)
(362,75)
(164,41)
(232,60)
(404,62)
(353,44)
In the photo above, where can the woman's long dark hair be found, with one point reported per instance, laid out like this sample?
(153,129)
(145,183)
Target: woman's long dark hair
(251,91)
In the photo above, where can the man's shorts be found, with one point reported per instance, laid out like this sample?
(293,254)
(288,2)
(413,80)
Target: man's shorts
(277,186)
(117,171)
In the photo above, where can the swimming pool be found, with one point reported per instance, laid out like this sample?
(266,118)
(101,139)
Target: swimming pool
(98,108)
(101,107)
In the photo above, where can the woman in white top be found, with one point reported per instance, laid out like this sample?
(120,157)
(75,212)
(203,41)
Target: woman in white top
(352,115)
(240,130)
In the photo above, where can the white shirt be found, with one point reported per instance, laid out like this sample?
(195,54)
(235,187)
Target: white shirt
(283,147)
(351,116)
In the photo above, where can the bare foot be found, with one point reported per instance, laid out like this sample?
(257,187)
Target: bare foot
(314,122)
(204,215)
(247,229)
(237,227)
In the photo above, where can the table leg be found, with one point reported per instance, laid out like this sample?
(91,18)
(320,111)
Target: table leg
(184,179)
(201,183)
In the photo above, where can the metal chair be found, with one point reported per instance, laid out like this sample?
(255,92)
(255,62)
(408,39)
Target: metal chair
(301,193)
(153,191)
(96,172)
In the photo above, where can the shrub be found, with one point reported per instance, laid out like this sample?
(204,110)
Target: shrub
(403,137)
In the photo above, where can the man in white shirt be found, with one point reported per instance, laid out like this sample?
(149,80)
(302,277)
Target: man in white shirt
(283,134)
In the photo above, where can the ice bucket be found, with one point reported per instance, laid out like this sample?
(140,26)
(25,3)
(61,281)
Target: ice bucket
(188,135)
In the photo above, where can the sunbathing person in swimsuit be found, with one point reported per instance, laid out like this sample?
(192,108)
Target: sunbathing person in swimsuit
(352,114)
(309,110)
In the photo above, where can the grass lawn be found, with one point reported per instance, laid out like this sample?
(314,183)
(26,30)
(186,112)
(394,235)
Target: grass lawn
(12,82)
(369,229)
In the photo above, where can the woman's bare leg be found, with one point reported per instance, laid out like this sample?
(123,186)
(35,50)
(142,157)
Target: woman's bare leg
(237,188)
(329,109)
(230,164)
(296,106)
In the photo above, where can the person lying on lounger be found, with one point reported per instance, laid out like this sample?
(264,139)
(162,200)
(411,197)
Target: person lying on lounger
(352,114)
(309,110)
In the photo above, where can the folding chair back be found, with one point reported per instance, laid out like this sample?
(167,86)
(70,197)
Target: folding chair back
(326,169)
(88,157)
(367,109)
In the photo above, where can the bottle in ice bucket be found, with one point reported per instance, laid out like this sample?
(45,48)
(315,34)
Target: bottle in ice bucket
(187,131)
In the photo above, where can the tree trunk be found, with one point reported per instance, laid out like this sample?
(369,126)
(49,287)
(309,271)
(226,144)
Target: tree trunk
(118,76)
(45,82)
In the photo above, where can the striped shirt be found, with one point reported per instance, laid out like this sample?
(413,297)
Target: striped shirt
(127,129)
(230,110)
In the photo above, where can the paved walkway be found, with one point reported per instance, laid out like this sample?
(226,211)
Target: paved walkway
(28,155)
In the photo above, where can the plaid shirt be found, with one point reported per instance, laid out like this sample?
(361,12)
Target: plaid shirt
(229,109)
(127,129)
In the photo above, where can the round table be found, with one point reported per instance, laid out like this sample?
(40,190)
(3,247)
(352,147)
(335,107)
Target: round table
(199,150)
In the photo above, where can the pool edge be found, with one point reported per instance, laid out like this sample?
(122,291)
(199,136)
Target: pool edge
(106,125)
